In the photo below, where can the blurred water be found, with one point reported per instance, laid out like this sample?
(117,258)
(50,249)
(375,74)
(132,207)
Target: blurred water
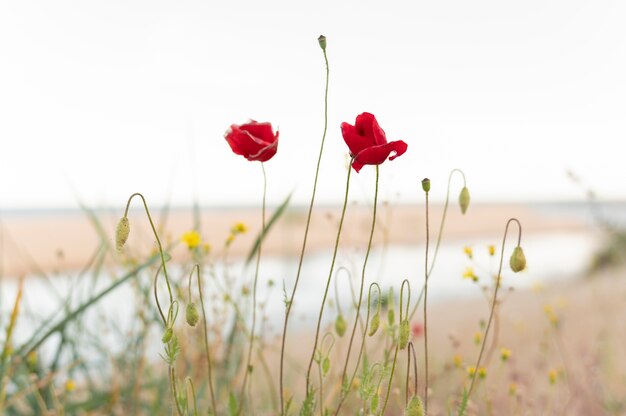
(550,257)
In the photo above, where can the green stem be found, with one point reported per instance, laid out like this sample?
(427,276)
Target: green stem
(306,233)
(494,301)
(441,225)
(426,311)
(410,349)
(206,336)
(395,356)
(247,368)
(330,274)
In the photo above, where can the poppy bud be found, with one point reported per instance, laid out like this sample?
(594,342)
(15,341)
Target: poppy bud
(121,233)
(464,199)
(426,185)
(167,335)
(325,365)
(414,407)
(191,314)
(374,324)
(518,260)
(403,337)
(322,42)
(340,325)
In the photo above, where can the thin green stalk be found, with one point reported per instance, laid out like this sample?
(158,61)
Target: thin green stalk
(206,336)
(395,356)
(362,348)
(410,349)
(494,301)
(330,274)
(439,236)
(426,311)
(193,395)
(306,234)
(247,368)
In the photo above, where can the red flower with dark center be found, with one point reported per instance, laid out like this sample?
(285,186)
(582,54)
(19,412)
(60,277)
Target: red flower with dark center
(253,140)
(368,143)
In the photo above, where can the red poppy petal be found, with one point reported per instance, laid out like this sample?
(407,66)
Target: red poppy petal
(262,131)
(242,142)
(356,143)
(265,153)
(368,126)
(376,155)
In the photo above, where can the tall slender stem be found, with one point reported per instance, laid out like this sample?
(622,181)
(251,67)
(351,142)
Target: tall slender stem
(247,368)
(439,236)
(494,301)
(426,310)
(306,233)
(358,306)
(330,274)
(206,337)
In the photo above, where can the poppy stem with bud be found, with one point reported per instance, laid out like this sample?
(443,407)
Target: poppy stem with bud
(495,296)
(322,43)
(426,188)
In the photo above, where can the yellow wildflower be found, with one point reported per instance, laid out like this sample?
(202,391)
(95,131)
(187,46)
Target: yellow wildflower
(482,372)
(191,239)
(468,250)
(552,376)
(70,385)
(230,239)
(457,360)
(469,274)
(551,315)
(239,228)
(471,370)
(513,389)
(505,353)
(206,247)
(478,336)
(492,250)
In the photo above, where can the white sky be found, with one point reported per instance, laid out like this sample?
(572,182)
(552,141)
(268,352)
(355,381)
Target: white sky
(105,98)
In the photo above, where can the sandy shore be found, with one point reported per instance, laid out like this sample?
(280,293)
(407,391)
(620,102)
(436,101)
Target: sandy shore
(34,242)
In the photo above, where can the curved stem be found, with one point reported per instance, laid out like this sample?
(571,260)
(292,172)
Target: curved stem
(206,336)
(395,356)
(156,236)
(247,368)
(193,395)
(495,299)
(410,350)
(367,254)
(330,274)
(306,233)
(439,236)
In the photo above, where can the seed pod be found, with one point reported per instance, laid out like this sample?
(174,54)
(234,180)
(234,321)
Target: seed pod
(325,366)
(391,315)
(167,335)
(121,233)
(340,325)
(403,337)
(426,185)
(518,260)
(464,199)
(374,324)
(191,314)
(414,407)
(322,42)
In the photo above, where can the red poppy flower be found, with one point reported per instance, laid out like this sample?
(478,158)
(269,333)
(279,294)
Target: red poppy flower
(253,140)
(417,329)
(367,142)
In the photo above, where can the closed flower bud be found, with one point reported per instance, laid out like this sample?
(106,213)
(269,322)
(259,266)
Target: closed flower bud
(121,233)
(167,335)
(340,325)
(374,324)
(426,185)
(464,199)
(518,260)
(414,407)
(325,365)
(322,42)
(403,337)
(191,314)
(391,317)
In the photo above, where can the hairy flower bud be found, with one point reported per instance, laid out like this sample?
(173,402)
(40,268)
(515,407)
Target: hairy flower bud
(121,233)
(340,325)
(464,199)
(414,407)
(403,337)
(374,324)
(325,365)
(167,335)
(322,42)
(426,185)
(191,314)
(518,260)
